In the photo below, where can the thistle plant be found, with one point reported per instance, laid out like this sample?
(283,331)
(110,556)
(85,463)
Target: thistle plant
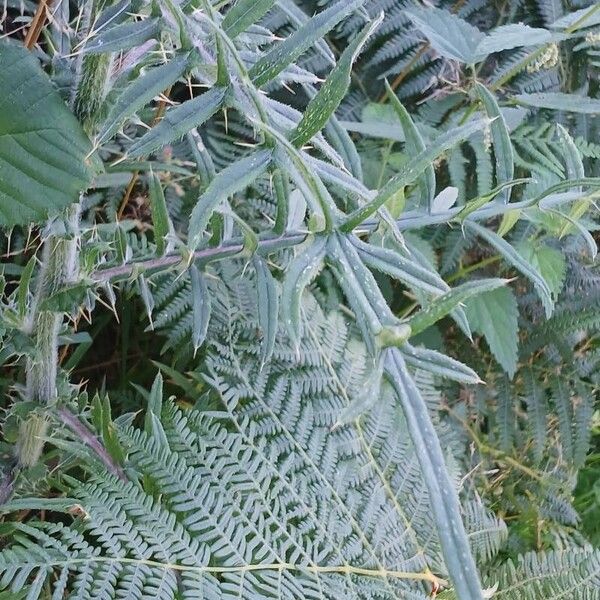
(350,238)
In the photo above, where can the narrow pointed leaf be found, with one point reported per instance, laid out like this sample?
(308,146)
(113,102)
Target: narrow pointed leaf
(514,258)
(123,36)
(287,51)
(160,214)
(503,150)
(439,364)
(414,145)
(141,91)
(393,264)
(228,181)
(201,307)
(323,105)
(442,491)
(301,271)
(411,170)
(441,306)
(243,14)
(268,307)
(178,121)
(560,101)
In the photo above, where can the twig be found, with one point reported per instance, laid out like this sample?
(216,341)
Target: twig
(72,421)
(217,253)
(37,23)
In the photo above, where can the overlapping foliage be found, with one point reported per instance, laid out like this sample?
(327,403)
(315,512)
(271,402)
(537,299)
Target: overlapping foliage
(327,226)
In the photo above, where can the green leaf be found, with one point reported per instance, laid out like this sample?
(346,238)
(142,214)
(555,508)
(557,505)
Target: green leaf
(287,51)
(178,121)
(45,157)
(549,262)
(515,259)
(410,170)
(228,181)
(23,287)
(201,307)
(472,205)
(495,315)
(268,307)
(323,105)
(443,305)
(123,36)
(140,91)
(414,145)
(160,214)
(560,101)
(243,14)
(503,150)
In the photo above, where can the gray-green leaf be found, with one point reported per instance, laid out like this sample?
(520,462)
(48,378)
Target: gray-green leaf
(287,51)
(228,181)
(495,315)
(325,102)
(140,91)
(178,121)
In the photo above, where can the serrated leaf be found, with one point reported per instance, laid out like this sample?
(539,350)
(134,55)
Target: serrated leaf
(160,214)
(494,314)
(585,17)
(300,272)
(410,171)
(454,38)
(450,35)
(228,181)
(243,14)
(503,150)
(515,259)
(123,36)
(414,145)
(323,105)
(443,305)
(44,153)
(178,121)
(201,307)
(268,307)
(549,262)
(287,51)
(560,101)
(140,91)
(515,35)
